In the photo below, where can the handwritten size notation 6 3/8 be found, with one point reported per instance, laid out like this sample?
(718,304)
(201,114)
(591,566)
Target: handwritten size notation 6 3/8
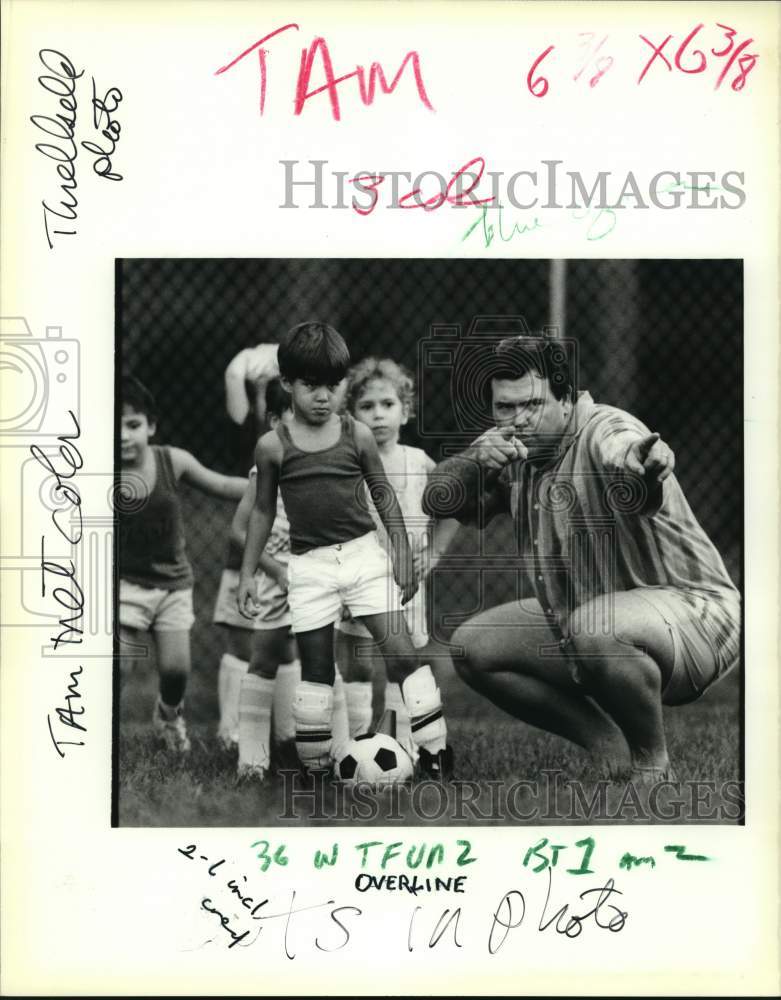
(723,53)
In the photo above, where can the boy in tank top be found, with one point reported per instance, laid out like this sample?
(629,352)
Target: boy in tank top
(259,701)
(156,578)
(320,461)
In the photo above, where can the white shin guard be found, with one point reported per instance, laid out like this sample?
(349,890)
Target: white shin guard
(424,704)
(313,707)
(288,679)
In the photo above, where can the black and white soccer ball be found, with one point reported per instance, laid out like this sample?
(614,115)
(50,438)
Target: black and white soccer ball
(374,758)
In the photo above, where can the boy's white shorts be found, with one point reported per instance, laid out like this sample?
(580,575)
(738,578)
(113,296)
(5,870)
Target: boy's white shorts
(356,574)
(414,612)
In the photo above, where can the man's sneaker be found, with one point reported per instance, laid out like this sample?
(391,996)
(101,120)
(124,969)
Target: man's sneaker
(436,766)
(169,728)
(649,774)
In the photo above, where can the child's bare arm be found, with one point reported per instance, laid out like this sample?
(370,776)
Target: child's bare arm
(189,470)
(389,511)
(238,529)
(238,533)
(275,569)
(255,365)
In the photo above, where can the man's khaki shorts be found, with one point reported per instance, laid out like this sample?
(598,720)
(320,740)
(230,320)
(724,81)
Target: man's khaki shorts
(705,632)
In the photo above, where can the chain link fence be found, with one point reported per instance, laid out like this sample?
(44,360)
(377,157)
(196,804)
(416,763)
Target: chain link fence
(660,338)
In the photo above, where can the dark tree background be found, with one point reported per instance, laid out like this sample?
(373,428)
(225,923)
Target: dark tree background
(660,338)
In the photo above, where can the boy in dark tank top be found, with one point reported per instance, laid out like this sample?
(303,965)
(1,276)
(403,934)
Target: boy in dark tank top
(156,578)
(321,461)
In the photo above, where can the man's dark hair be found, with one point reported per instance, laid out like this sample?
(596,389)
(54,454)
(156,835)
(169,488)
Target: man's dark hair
(136,395)
(514,357)
(277,399)
(314,351)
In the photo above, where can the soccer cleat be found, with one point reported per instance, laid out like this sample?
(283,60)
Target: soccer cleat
(227,740)
(285,756)
(315,755)
(171,732)
(250,774)
(436,766)
(319,771)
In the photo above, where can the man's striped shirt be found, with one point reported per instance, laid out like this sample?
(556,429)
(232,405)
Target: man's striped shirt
(587,528)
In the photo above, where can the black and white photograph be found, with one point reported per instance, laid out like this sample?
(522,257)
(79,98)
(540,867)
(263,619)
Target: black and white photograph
(428,542)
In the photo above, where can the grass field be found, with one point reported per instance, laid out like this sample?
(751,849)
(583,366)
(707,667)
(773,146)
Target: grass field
(156,789)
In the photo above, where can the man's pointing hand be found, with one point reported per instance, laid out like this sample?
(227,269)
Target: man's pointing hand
(651,458)
(496,447)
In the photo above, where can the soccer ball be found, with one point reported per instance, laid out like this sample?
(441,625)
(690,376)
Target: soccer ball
(374,758)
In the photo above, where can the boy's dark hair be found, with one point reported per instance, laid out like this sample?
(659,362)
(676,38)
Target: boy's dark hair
(514,357)
(314,351)
(136,395)
(277,399)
